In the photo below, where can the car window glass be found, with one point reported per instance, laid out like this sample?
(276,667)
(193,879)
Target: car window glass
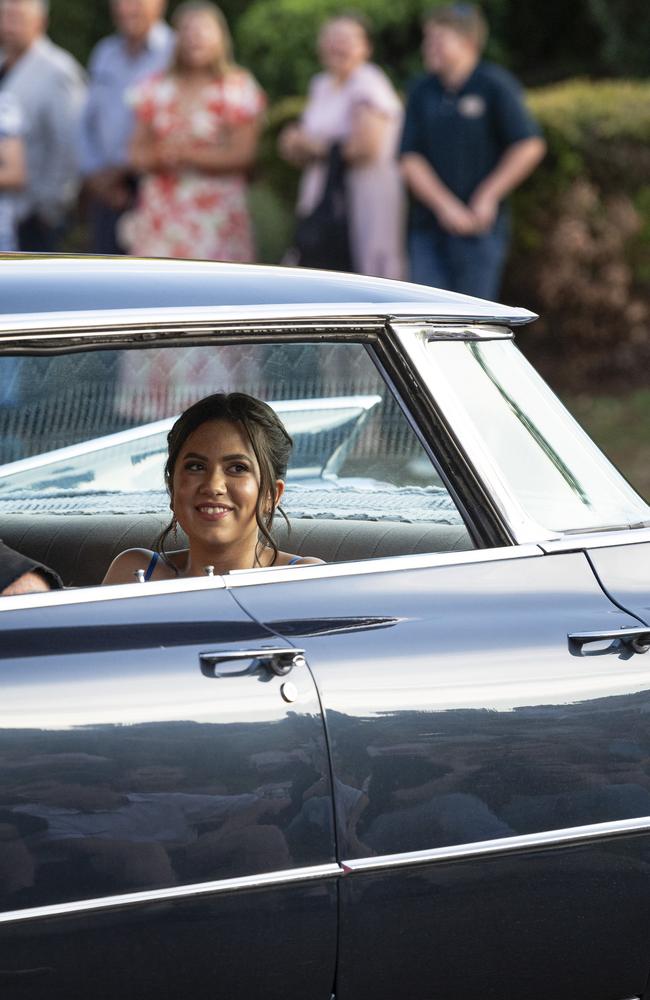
(86,433)
(543,457)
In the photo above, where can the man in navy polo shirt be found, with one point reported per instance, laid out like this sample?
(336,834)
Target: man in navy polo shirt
(468,141)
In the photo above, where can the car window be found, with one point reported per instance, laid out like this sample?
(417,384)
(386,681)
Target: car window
(541,456)
(86,433)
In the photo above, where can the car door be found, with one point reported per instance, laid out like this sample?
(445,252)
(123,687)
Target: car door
(624,571)
(493,830)
(155,768)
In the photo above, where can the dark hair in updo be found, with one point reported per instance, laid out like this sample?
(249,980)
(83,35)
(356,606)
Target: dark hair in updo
(269,439)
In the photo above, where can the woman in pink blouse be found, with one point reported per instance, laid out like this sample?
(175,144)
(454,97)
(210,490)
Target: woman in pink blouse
(353,103)
(195,140)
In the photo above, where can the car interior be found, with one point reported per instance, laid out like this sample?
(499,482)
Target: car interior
(83,444)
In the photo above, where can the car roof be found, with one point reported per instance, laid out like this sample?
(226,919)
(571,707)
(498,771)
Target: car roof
(32,285)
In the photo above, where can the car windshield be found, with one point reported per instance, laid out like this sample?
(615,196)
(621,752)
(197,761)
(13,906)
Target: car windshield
(537,451)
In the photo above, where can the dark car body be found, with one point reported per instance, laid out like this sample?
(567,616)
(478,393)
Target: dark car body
(422,768)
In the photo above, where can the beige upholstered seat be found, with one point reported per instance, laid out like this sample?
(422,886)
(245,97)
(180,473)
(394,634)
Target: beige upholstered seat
(81,547)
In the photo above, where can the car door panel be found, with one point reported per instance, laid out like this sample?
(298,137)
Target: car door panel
(138,785)
(460,720)
(180,948)
(561,924)
(624,571)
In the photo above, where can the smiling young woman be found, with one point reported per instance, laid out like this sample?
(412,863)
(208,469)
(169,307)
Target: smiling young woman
(226,463)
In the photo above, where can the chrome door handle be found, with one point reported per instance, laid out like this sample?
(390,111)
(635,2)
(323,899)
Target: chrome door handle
(237,662)
(637,639)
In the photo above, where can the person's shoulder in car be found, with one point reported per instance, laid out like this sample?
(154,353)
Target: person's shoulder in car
(21,575)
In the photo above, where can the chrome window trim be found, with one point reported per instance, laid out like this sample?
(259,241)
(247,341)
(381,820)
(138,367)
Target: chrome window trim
(565,837)
(246,882)
(112,592)
(522,528)
(465,332)
(89,321)
(270,574)
(382,564)
(597,540)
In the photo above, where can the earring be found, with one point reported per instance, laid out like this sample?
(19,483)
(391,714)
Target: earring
(174,527)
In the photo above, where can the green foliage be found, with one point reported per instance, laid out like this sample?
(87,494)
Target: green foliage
(77,25)
(272,221)
(582,234)
(625,28)
(277,38)
(540,42)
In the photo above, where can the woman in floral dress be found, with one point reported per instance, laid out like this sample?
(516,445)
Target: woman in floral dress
(195,140)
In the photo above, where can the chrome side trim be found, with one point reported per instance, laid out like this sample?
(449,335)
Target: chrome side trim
(597,540)
(504,845)
(114,592)
(486,848)
(385,564)
(271,574)
(246,882)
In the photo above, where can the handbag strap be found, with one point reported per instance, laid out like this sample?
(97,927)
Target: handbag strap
(335,176)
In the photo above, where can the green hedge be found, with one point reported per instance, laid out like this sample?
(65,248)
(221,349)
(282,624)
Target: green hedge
(581,246)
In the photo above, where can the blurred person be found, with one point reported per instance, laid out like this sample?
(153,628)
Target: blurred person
(21,575)
(353,103)
(48,84)
(195,140)
(141,46)
(12,178)
(12,173)
(468,141)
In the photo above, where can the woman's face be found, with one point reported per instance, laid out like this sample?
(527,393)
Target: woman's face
(216,483)
(200,40)
(342,47)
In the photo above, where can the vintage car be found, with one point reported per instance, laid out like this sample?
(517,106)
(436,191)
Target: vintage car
(421,768)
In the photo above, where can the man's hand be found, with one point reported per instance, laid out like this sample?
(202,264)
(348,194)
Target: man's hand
(454,216)
(484,207)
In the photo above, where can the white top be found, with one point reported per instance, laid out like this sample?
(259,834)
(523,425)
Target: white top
(374,189)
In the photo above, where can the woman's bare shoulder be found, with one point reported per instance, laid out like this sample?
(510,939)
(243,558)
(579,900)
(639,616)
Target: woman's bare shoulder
(126,564)
(287,559)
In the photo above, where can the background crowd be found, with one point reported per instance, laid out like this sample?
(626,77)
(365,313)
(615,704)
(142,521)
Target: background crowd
(161,134)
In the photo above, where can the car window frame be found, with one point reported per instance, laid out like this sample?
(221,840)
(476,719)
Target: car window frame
(394,359)
(413,339)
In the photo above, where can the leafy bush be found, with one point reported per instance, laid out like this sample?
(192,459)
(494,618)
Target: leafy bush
(582,233)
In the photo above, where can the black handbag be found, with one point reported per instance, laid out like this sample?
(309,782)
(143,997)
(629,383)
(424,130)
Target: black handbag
(322,238)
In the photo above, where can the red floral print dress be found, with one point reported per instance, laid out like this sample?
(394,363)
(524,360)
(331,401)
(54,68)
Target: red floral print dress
(188,213)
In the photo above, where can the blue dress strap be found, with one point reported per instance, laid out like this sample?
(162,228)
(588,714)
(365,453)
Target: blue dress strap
(294,560)
(151,567)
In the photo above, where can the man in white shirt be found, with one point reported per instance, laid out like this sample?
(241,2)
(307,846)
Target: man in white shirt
(141,46)
(49,86)
(12,172)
